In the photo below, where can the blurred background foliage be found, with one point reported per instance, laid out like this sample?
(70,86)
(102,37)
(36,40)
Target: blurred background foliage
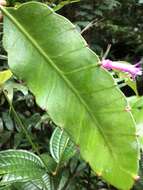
(118,23)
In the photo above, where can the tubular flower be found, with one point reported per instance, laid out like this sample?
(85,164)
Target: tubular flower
(133,70)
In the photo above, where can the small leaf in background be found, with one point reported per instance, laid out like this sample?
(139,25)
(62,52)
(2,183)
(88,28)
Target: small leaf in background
(140,1)
(33,120)
(18,138)
(49,161)
(64,179)
(12,86)
(4,76)
(126,79)
(61,147)
(1,125)
(7,121)
(4,137)
(63,3)
(30,185)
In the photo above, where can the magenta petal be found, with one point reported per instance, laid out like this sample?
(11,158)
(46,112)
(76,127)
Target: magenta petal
(134,70)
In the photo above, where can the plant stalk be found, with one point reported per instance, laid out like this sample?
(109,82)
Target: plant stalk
(24,128)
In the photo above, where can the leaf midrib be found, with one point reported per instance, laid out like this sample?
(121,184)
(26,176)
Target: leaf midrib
(60,73)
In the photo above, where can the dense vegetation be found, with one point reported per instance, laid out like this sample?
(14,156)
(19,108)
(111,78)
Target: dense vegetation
(56,163)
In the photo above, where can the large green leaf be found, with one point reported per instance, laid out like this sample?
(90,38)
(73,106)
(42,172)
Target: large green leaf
(137,110)
(45,50)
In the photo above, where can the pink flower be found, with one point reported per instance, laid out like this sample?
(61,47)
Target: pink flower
(133,70)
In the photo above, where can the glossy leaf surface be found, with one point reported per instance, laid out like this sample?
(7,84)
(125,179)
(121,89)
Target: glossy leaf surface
(61,147)
(67,81)
(19,166)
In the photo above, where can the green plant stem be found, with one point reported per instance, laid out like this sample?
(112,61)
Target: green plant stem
(107,52)
(91,24)
(24,128)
